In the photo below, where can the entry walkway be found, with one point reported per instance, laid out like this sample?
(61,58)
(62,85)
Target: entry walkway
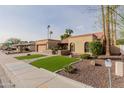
(23,75)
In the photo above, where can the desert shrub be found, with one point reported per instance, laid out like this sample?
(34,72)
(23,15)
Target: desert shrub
(70,69)
(85,56)
(28,54)
(96,48)
(54,49)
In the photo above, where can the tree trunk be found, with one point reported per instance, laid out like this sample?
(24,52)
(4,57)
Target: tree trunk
(115,13)
(103,26)
(103,20)
(114,30)
(112,25)
(107,32)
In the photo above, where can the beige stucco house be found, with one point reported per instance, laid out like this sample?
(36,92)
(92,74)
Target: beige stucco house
(79,44)
(76,44)
(46,44)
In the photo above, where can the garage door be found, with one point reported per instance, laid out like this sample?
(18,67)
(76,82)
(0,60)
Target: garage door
(41,48)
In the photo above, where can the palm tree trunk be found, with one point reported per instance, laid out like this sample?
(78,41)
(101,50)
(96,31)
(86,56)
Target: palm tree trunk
(114,30)
(115,13)
(103,26)
(103,20)
(50,36)
(107,31)
(112,25)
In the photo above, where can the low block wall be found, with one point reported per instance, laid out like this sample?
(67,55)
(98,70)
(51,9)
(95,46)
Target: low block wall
(115,50)
(63,52)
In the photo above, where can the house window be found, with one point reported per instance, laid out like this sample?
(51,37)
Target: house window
(72,47)
(86,47)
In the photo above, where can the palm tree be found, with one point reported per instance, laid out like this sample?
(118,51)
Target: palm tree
(48,27)
(109,26)
(103,26)
(67,34)
(103,20)
(69,31)
(51,32)
(113,23)
(113,8)
(107,31)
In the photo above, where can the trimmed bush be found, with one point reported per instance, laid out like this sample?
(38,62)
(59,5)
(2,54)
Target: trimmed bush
(54,50)
(85,56)
(96,48)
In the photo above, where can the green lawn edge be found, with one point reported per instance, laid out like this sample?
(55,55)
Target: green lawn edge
(54,63)
(32,56)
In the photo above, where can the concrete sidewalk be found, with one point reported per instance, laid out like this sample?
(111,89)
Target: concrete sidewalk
(23,75)
(35,59)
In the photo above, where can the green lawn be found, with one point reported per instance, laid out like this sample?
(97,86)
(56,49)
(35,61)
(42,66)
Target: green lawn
(53,63)
(29,57)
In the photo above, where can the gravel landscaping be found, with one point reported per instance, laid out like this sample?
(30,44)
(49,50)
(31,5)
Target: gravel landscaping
(95,76)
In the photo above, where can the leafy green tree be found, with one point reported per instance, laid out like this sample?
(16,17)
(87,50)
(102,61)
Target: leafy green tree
(9,42)
(96,48)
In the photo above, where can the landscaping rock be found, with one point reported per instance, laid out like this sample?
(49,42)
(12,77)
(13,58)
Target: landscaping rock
(93,62)
(95,76)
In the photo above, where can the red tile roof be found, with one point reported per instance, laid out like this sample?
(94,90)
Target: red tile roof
(98,34)
(65,40)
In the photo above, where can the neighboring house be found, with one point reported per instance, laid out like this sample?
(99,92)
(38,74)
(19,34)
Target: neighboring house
(46,44)
(25,46)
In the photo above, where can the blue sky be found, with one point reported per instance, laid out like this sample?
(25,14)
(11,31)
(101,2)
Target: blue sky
(30,22)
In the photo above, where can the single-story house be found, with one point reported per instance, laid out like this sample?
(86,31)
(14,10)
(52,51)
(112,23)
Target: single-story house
(75,44)
(46,44)
(24,47)
(79,44)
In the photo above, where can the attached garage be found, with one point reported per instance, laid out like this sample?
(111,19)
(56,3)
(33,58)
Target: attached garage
(41,48)
(44,45)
